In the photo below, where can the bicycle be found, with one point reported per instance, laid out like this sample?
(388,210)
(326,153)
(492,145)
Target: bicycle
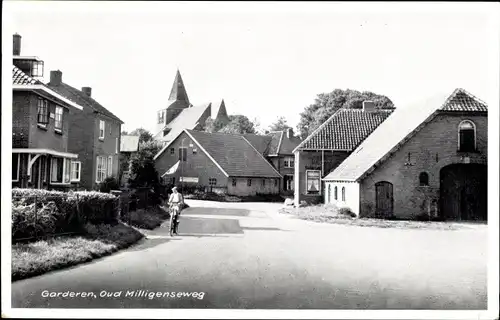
(174,218)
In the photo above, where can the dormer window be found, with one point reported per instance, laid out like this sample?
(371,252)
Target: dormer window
(466,136)
(37,68)
(29,65)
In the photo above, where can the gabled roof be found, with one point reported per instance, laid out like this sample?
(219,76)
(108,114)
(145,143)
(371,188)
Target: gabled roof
(232,153)
(178,91)
(260,142)
(403,124)
(273,143)
(189,118)
(274,146)
(287,145)
(129,143)
(344,130)
(77,95)
(22,81)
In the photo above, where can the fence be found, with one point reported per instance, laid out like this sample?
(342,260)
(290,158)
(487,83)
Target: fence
(35,217)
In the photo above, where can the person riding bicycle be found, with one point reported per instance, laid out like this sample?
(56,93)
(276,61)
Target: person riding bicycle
(176,202)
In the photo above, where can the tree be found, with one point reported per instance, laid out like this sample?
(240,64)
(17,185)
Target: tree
(144,135)
(143,171)
(124,133)
(326,104)
(238,124)
(279,125)
(212,125)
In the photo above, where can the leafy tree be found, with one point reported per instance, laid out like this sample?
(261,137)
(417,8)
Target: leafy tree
(212,125)
(144,135)
(279,125)
(326,104)
(143,171)
(239,124)
(124,133)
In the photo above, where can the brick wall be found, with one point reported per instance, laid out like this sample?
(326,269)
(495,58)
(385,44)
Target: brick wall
(21,119)
(433,148)
(107,147)
(257,186)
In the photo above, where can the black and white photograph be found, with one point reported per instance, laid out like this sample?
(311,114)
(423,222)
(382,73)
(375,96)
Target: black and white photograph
(250,159)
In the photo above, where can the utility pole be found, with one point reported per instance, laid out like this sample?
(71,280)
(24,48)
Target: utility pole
(182,164)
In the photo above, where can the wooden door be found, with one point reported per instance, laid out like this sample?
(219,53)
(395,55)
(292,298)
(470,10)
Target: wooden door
(384,198)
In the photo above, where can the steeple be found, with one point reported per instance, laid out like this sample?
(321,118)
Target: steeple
(178,92)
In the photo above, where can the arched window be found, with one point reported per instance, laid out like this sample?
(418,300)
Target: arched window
(335,195)
(423,179)
(466,136)
(343,193)
(329,193)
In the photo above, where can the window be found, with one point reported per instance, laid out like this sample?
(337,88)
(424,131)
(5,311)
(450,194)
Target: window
(101,169)
(249,182)
(60,170)
(161,116)
(263,182)
(288,178)
(329,193)
(172,150)
(37,69)
(335,193)
(15,166)
(43,112)
(102,125)
(182,154)
(313,181)
(423,179)
(234,182)
(212,181)
(116,146)
(343,193)
(58,123)
(110,166)
(289,162)
(275,182)
(75,171)
(466,136)
(195,151)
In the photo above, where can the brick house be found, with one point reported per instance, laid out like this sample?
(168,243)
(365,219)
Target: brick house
(180,114)
(218,162)
(277,147)
(429,160)
(330,144)
(94,135)
(40,129)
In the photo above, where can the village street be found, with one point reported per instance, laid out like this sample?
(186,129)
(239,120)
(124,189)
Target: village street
(246,255)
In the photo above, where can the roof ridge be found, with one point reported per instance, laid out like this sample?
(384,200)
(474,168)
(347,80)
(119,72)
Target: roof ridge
(279,143)
(262,156)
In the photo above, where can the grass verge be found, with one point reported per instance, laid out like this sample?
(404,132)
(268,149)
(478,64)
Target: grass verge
(35,258)
(330,214)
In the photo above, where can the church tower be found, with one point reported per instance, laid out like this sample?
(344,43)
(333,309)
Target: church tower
(177,102)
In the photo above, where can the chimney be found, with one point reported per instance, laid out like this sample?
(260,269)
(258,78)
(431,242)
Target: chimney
(55,77)
(16,50)
(289,133)
(368,106)
(87,91)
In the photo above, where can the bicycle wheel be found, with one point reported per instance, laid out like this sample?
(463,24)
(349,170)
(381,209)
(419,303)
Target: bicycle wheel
(172,225)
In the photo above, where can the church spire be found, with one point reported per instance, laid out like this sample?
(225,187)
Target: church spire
(178,92)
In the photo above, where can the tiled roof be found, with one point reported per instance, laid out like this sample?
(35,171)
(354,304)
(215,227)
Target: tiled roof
(129,143)
(393,133)
(82,98)
(259,142)
(21,78)
(287,144)
(189,118)
(275,142)
(236,156)
(344,130)
(464,101)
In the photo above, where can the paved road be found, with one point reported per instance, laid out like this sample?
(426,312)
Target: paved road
(248,256)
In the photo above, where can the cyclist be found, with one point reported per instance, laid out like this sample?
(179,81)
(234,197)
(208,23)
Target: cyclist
(176,202)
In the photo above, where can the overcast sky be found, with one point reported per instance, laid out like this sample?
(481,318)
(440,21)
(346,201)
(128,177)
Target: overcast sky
(264,59)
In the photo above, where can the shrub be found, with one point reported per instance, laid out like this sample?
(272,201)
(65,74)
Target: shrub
(109,184)
(345,211)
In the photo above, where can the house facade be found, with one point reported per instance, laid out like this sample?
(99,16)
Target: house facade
(428,161)
(277,147)
(216,162)
(329,145)
(94,135)
(41,157)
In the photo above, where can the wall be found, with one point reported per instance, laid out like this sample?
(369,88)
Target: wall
(242,188)
(108,146)
(21,119)
(351,195)
(311,160)
(431,149)
(196,165)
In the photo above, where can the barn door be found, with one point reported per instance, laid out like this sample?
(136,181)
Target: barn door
(384,198)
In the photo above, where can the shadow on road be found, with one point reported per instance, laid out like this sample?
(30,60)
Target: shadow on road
(216,211)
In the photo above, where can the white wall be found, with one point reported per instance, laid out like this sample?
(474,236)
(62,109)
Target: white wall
(351,195)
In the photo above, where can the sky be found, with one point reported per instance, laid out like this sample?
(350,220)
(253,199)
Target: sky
(264,59)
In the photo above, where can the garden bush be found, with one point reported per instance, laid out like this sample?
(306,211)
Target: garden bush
(43,212)
(109,184)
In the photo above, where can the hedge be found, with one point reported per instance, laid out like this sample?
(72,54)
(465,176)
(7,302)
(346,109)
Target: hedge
(59,212)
